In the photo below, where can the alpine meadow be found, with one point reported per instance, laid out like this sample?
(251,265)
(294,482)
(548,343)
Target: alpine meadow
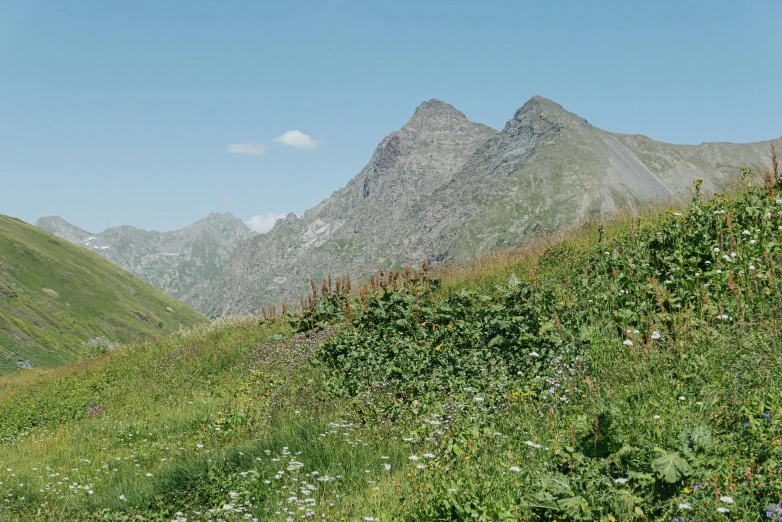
(359,261)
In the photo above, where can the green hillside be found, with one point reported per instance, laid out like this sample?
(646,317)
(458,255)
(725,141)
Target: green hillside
(628,371)
(54,296)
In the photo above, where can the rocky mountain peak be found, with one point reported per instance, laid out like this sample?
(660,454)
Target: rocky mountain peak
(540,108)
(436,116)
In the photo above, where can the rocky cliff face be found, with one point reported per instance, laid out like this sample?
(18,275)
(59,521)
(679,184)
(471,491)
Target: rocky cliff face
(445,188)
(173,261)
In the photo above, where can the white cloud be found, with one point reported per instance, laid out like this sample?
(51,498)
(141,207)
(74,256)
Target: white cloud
(297,139)
(247,148)
(263,222)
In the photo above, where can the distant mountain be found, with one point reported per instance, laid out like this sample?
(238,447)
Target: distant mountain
(445,188)
(54,296)
(174,261)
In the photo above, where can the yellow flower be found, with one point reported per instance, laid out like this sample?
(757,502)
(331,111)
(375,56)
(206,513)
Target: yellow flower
(687,491)
(611,518)
(438,347)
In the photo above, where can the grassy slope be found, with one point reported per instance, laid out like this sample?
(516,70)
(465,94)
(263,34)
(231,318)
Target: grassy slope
(241,419)
(55,295)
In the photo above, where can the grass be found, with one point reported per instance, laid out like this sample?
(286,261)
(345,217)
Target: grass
(54,296)
(621,371)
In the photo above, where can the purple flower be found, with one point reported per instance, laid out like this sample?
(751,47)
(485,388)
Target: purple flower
(767,415)
(697,486)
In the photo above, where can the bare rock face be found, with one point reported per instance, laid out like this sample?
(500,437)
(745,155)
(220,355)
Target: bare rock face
(368,224)
(173,261)
(445,188)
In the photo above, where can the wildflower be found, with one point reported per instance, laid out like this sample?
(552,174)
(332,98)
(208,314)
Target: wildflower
(533,445)
(413,457)
(534,354)
(656,335)
(752,241)
(429,455)
(515,469)
(726,499)
(227,507)
(682,398)
(656,417)
(621,480)
(123,498)
(767,415)
(685,505)
(149,474)
(723,510)
(716,249)
(387,467)
(752,267)
(627,342)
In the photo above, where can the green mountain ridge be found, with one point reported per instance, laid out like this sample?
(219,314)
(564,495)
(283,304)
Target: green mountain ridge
(54,296)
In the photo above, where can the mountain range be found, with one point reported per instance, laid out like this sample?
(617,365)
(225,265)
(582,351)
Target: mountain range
(58,301)
(447,189)
(173,262)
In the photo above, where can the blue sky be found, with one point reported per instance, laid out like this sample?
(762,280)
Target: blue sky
(124,112)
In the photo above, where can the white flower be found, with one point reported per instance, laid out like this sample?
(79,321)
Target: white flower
(149,474)
(515,468)
(745,232)
(122,497)
(723,510)
(752,241)
(534,354)
(681,398)
(533,445)
(627,342)
(429,455)
(233,494)
(727,500)
(621,481)
(716,249)
(656,335)
(656,417)
(387,467)
(752,267)
(413,457)
(685,505)
(227,507)
(719,271)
